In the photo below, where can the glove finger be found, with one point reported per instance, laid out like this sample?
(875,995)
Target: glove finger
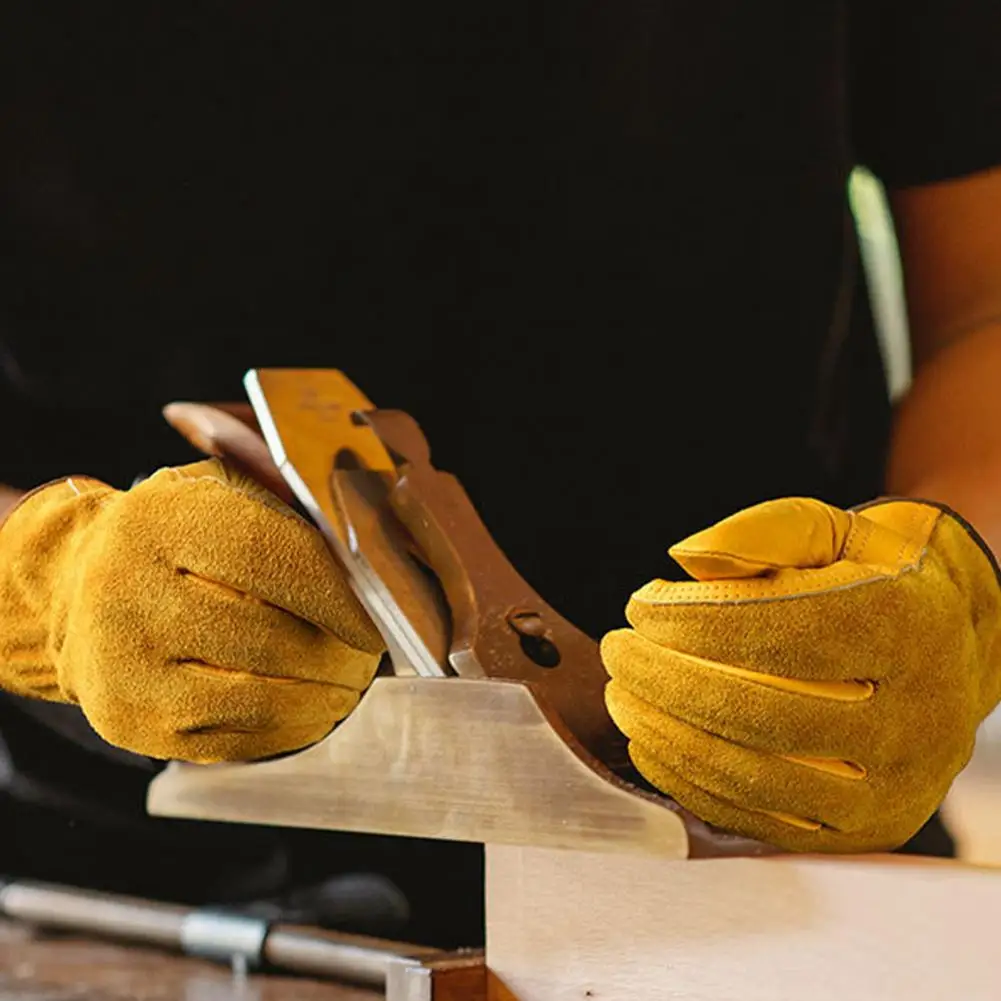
(752,781)
(896,823)
(776,539)
(779,566)
(222,716)
(239,535)
(218,625)
(825,719)
(212,747)
(790,532)
(749,824)
(835,636)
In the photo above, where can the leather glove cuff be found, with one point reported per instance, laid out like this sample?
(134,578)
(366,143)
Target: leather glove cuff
(41,535)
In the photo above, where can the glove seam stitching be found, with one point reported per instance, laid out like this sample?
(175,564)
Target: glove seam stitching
(840,585)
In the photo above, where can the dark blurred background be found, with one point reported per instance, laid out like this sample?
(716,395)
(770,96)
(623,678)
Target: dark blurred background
(467,209)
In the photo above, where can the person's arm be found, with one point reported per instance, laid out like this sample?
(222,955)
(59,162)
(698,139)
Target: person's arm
(9,496)
(947,438)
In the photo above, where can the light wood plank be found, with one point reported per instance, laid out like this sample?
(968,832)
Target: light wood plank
(565,925)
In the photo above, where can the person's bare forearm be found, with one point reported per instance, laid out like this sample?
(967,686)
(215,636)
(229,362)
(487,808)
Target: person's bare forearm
(947,437)
(9,496)
(946,445)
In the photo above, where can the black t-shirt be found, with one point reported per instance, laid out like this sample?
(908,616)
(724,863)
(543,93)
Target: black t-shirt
(601,251)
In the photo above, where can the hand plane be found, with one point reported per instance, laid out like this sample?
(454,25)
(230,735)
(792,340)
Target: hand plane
(487,721)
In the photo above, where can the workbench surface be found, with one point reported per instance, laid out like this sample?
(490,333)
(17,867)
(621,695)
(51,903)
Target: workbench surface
(35,967)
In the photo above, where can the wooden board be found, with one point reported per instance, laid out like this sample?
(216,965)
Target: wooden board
(972,810)
(567,925)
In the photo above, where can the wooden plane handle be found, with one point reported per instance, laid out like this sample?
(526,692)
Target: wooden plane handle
(229,431)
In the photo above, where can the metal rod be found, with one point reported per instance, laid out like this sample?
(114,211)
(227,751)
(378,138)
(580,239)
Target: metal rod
(320,953)
(72,909)
(202,932)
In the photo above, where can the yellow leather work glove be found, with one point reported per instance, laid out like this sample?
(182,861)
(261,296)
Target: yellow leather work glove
(193,617)
(819,684)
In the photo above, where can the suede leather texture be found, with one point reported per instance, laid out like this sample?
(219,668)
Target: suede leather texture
(194,617)
(819,683)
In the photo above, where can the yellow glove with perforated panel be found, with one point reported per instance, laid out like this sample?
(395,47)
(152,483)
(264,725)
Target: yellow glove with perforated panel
(194,616)
(820,682)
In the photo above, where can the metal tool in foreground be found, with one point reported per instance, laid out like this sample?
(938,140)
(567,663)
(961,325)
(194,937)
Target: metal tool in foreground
(405,972)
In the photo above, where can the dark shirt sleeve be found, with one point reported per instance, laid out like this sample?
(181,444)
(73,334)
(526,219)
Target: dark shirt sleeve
(925,88)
